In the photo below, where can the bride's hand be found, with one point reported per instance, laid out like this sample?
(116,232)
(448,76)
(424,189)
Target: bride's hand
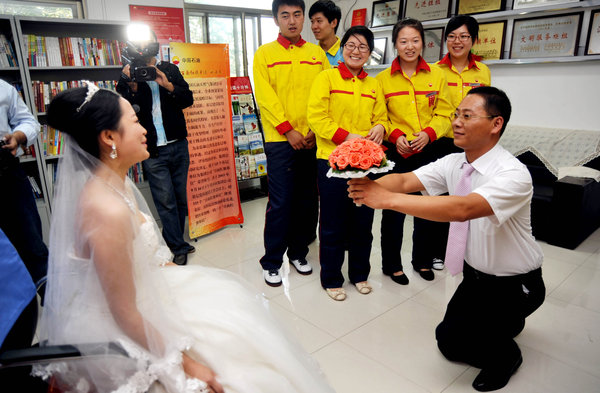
(199,371)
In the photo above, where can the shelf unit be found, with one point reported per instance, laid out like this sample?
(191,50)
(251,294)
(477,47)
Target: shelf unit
(54,27)
(510,16)
(32,166)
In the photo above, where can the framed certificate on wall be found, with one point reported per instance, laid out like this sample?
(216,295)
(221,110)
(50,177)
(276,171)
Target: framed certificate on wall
(479,6)
(490,40)
(593,41)
(432,48)
(518,4)
(423,10)
(554,36)
(385,13)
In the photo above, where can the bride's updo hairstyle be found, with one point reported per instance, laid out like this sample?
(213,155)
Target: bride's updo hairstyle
(73,113)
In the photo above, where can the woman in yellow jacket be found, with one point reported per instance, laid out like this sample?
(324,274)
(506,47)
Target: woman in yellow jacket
(344,104)
(419,110)
(463,72)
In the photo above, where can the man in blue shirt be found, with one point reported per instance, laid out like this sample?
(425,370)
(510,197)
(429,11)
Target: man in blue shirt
(325,18)
(19,219)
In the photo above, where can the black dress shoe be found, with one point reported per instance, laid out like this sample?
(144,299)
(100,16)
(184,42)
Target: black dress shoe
(426,274)
(401,279)
(489,380)
(180,259)
(190,249)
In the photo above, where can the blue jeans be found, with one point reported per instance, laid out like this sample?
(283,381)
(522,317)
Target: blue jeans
(21,222)
(167,176)
(293,203)
(342,224)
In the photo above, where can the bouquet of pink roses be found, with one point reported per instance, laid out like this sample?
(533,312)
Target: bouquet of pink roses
(358,158)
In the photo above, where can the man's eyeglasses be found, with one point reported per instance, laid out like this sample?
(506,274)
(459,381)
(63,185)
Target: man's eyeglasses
(362,48)
(465,117)
(454,37)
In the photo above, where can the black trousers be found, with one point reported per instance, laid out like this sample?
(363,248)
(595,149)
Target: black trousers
(485,314)
(20,220)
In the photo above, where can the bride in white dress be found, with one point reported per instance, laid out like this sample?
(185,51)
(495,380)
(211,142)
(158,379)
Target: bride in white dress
(184,328)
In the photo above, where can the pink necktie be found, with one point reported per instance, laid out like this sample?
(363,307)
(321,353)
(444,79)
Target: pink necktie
(459,231)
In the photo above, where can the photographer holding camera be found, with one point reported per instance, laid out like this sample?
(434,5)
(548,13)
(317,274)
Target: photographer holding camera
(161,93)
(19,220)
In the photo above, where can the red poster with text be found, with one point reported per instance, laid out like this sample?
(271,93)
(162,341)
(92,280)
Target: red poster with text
(212,189)
(166,22)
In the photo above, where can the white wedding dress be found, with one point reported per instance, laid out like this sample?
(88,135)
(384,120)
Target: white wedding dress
(211,314)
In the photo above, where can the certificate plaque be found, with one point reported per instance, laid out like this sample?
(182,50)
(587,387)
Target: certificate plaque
(554,36)
(427,9)
(593,42)
(432,49)
(518,4)
(490,40)
(385,13)
(478,6)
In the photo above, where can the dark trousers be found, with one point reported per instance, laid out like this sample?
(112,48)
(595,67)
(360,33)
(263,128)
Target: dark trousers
(21,223)
(342,225)
(167,176)
(429,237)
(485,314)
(291,214)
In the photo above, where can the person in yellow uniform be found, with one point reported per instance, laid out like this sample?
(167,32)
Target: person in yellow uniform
(463,72)
(419,110)
(283,74)
(345,103)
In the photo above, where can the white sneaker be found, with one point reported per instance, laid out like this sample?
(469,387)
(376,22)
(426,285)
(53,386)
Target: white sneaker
(272,277)
(302,266)
(438,264)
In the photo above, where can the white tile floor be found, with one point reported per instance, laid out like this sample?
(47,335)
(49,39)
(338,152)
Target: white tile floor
(384,342)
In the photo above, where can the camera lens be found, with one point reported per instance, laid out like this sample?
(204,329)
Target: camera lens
(143,72)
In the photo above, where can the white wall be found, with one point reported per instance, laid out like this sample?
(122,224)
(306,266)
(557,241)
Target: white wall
(118,10)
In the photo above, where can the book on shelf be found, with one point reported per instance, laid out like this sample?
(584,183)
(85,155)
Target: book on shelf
(8,58)
(43,51)
(243,145)
(37,191)
(261,164)
(250,123)
(53,141)
(256,143)
(238,125)
(136,173)
(44,92)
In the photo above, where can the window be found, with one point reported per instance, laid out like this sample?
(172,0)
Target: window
(241,28)
(50,9)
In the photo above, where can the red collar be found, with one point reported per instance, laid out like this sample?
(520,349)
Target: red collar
(422,66)
(472,59)
(346,74)
(286,43)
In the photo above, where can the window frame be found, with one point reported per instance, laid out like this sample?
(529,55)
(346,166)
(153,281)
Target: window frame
(212,10)
(78,6)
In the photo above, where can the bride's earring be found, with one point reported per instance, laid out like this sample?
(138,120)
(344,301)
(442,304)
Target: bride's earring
(113,152)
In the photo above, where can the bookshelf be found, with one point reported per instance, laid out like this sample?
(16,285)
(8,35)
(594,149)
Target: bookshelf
(50,66)
(11,71)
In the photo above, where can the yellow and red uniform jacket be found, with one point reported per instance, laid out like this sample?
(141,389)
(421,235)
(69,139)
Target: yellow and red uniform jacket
(341,103)
(459,83)
(283,75)
(419,103)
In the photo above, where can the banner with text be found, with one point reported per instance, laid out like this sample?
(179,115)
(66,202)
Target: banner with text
(212,189)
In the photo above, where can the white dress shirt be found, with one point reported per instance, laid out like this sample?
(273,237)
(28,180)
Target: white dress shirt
(501,244)
(14,115)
